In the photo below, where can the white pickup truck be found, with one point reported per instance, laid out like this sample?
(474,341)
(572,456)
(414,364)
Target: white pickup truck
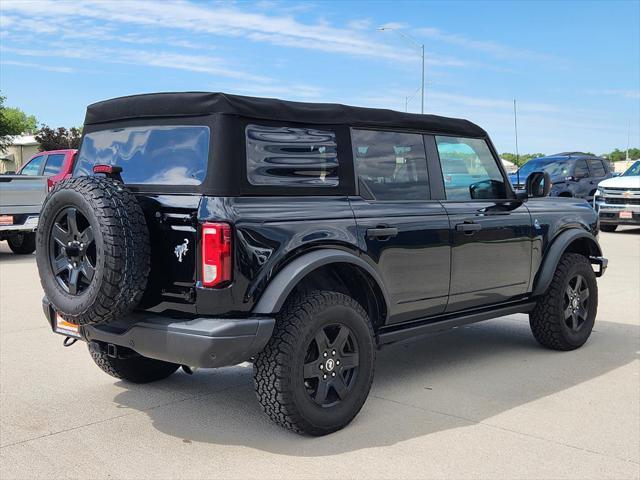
(617,200)
(21,198)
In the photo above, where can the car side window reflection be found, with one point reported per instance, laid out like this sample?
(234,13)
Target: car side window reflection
(469,170)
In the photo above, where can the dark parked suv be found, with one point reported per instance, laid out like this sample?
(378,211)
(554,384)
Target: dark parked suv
(574,174)
(204,230)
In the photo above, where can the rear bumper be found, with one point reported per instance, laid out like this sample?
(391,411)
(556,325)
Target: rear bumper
(28,224)
(202,342)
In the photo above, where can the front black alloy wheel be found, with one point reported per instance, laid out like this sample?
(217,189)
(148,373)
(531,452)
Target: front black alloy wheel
(315,373)
(576,303)
(564,316)
(72,250)
(331,364)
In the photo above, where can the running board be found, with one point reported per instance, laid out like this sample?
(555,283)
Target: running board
(446,322)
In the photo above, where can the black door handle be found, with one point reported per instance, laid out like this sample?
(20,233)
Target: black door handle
(382,232)
(468,227)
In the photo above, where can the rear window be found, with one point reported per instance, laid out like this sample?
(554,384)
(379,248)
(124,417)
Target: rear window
(169,155)
(291,156)
(54,164)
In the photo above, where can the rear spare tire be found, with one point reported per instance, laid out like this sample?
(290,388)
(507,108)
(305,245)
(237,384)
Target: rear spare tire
(92,250)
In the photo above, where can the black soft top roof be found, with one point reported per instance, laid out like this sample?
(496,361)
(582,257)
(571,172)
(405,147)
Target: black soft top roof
(205,103)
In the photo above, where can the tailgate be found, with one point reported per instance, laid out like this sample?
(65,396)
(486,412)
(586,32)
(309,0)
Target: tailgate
(173,236)
(22,193)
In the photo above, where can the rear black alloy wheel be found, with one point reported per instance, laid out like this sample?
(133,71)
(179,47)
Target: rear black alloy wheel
(331,365)
(72,250)
(315,373)
(576,303)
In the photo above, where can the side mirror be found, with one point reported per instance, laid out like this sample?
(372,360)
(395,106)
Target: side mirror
(538,184)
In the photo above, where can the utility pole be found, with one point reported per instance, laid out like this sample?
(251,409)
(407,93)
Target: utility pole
(417,44)
(515,124)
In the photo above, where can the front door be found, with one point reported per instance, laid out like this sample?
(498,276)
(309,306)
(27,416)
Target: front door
(404,234)
(491,233)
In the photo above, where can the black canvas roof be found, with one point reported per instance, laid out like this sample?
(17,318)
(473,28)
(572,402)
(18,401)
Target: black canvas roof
(205,103)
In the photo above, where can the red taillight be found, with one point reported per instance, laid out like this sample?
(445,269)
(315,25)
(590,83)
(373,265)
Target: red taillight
(216,254)
(108,169)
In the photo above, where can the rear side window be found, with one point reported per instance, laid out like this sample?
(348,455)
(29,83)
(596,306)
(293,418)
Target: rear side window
(54,164)
(159,155)
(469,169)
(291,156)
(581,170)
(596,167)
(33,167)
(391,165)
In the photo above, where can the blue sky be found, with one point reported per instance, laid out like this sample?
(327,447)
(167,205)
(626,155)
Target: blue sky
(574,67)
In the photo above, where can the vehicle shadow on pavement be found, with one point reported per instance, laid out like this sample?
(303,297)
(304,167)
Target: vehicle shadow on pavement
(7,256)
(446,381)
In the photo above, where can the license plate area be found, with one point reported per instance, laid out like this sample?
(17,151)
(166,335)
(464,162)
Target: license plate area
(627,215)
(6,219)
(66,328)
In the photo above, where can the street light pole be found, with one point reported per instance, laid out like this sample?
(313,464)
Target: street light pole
(417,44)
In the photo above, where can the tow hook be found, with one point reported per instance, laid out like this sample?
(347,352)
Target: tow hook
(68,341)
(189,370)
(112,350)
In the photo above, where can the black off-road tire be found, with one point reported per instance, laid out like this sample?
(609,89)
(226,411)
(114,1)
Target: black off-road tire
(122,249)
(606,227)
(22,243)
(277,370)
(130,366)
(547,320)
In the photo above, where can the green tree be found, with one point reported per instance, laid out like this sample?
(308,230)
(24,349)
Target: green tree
(13,121)
(59,138)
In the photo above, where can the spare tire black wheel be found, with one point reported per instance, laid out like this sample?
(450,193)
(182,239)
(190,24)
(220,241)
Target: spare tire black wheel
(92,250)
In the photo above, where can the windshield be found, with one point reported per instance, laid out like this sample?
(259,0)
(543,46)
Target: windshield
(555,168)
(633,170)
(161,155)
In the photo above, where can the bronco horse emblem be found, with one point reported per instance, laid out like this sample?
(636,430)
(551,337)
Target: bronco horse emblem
(181,249)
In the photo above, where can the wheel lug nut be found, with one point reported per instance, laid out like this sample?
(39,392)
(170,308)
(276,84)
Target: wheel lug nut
(324,376)
(333,374)
(321,366)
(337,362)
(324,354)
(333,352)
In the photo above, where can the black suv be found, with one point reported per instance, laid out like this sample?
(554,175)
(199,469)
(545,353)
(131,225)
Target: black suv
(204,230)
(574,174)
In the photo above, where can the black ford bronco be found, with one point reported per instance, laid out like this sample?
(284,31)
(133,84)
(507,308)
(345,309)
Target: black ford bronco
(202,230)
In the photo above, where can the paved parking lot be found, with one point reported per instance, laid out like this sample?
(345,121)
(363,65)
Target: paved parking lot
(483,401)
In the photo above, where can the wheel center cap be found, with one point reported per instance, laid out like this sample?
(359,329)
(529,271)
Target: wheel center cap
(72,250)
(329,365)
(575,303)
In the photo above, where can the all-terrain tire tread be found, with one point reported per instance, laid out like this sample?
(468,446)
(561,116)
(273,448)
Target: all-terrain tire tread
(135,369)
(545,326)
(271,372)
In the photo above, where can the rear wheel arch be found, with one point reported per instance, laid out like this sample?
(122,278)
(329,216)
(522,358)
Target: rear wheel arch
(330,269)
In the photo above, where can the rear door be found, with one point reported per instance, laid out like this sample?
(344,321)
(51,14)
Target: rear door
(404,234)
(598,173)
(491,233)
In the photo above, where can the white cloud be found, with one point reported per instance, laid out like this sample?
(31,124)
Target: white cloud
(492,48)
(39,66)
(616,92)
(223,20)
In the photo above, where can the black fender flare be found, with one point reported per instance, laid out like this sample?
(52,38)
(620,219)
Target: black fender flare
(557,248)
(285,280)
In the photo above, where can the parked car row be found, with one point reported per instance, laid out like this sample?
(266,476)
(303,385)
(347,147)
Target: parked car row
(22,194)
(580,175)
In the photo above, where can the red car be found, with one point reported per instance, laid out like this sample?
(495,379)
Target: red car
(55,164)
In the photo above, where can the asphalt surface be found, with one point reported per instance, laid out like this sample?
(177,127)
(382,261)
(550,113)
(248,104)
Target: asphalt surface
(484,401)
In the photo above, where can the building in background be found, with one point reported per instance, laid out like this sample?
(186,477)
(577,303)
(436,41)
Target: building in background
(22,148)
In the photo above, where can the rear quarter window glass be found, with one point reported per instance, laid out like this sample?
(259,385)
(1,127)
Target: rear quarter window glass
(597,169)
(291,156)
(54,164)
(158,155)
